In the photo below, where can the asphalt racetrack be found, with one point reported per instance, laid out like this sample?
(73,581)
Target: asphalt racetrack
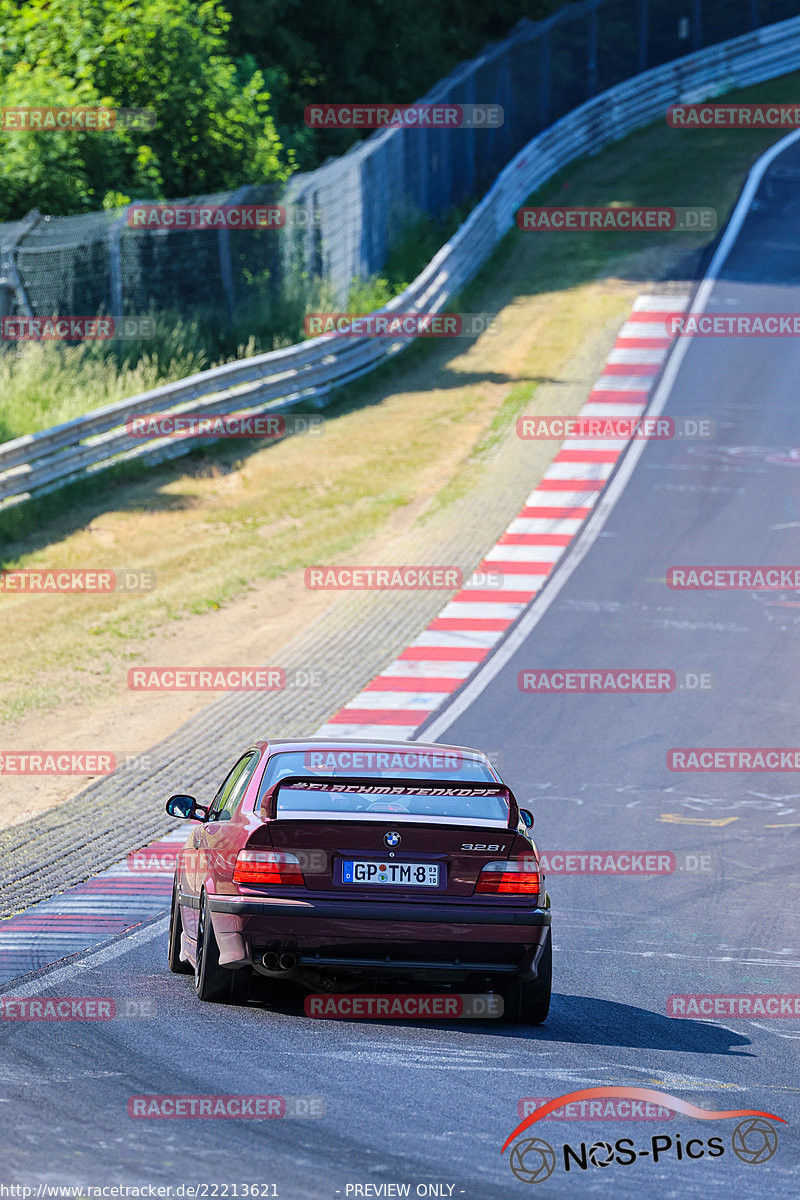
(431,1103)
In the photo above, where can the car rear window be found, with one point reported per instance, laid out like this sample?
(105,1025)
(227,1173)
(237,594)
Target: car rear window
(441,802)
(377,764)
(430,769)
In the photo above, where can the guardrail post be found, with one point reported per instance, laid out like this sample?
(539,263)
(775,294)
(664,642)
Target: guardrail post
(644,34)
(592,63)
(544,78)
(9,275)
(697,25)
(114,238)
(224,251)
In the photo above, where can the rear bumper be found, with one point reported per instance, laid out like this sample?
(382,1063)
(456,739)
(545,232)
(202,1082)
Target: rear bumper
(368,910)
(368,934)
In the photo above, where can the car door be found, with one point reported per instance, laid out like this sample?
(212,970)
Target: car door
(187,874)
(219,836)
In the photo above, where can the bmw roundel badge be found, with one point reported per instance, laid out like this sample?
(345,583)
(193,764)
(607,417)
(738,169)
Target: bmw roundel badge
(392,838)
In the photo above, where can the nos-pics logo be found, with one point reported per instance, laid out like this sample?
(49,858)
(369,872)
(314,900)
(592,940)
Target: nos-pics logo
(533,1160)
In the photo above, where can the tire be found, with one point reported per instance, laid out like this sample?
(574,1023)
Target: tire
(176,964)
(214,983)
(527,1001)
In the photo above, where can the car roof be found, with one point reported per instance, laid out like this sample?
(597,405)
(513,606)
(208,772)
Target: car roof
(284,744)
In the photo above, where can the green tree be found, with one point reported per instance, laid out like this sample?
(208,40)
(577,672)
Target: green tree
(214,128)
(363,50)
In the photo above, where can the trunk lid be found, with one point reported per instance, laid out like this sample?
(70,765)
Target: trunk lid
(346,850)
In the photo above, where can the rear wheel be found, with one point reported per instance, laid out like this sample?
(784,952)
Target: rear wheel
(176,963)
(528,1000)
(212,981)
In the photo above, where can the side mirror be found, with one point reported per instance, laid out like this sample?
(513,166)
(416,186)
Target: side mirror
(187,808)
(527,817)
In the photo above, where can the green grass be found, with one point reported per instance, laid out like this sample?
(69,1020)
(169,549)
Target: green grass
(47,383)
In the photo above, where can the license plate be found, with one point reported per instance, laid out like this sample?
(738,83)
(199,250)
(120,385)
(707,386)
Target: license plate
(381,873)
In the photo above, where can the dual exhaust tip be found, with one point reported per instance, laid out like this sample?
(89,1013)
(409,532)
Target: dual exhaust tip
(278,964)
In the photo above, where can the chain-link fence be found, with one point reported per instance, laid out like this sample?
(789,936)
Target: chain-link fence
(347,214)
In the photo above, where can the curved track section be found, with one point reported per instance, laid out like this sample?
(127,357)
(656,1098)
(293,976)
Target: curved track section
(394,704)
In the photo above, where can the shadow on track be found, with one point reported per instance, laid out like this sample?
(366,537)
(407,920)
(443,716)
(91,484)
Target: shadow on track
(582,1020)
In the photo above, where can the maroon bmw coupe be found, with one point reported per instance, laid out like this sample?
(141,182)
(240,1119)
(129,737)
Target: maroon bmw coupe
(391,860)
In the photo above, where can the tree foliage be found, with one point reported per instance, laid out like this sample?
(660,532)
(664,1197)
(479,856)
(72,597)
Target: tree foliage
(228,83)
(363,51)
(214,126)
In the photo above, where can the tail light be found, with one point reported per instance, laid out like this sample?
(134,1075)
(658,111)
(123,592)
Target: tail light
(267,867)
(515,877)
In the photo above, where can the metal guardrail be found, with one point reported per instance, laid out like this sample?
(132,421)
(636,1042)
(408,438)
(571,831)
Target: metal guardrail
(304,376)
